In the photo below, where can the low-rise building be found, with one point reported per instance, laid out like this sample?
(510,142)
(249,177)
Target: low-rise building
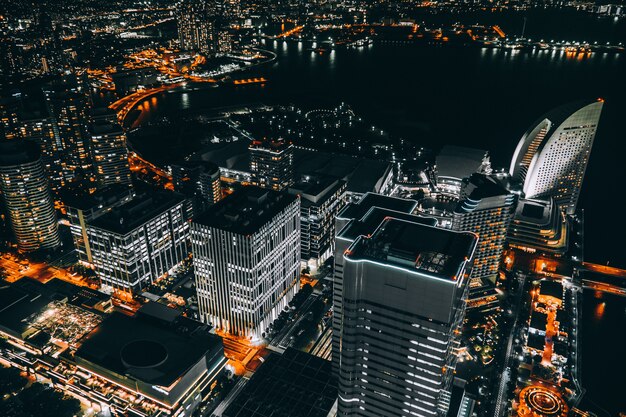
(157,354)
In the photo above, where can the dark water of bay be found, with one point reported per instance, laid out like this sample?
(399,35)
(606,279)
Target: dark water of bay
(603,362)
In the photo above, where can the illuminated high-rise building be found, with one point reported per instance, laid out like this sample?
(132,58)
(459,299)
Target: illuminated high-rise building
(231,9)
(26,195)
(200,180)
(362,219)
(39,128)
(84,208)
(404,295)
(197,26)
(321,198)
(551,158)
(539,226)
(67,111)
(224,42)
(139,242)
(271,164)
(20,120)
(109,153)
(486,208)
(246,257)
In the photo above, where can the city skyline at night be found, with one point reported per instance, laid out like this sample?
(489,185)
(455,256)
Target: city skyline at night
(328,208)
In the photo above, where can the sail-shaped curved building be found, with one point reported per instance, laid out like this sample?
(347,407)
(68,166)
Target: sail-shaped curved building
(551,158)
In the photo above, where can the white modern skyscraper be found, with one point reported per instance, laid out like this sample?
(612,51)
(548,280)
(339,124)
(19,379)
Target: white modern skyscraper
(403,298)
(246,256)
(109,153)
(321,198)
(26,194)
(354,220)
(551,158)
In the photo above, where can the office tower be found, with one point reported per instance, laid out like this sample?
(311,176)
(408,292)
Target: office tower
(354,220)
(196,21)
(404,291)
(26,195)
(198,179)
(109,153)
(246,257)
(84,208)
(321,198)
(355,211)
(19,119)
(225,43)
(462,402)
(485,208)
(67,110)
(271,163)
(551,158)
(39,128)
(139,242)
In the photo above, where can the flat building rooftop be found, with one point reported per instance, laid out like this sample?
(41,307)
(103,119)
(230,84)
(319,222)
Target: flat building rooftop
(246,210)
(136,212)
(369,200)
(415,247)
(374,217)
(148,347)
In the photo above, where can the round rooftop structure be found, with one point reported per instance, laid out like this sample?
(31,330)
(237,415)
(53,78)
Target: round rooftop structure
(537,401)
(143,354)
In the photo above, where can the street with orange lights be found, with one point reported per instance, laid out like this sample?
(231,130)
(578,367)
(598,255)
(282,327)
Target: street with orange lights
(608,278)
(126,104)
(142,167)
(290,32)
(15,269)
